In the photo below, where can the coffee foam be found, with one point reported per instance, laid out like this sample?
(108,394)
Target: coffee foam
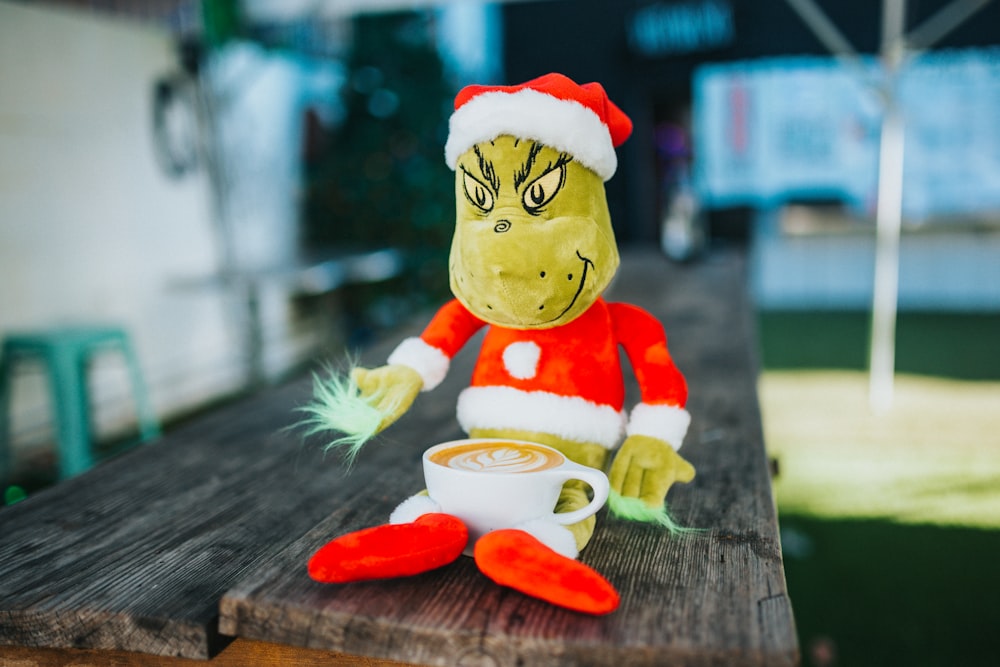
(497,457)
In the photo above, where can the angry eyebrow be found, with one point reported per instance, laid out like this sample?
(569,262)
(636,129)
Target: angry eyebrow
(487,170)
(524,172)
(521,175)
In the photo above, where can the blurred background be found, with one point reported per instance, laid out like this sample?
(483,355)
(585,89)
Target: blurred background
(247,186)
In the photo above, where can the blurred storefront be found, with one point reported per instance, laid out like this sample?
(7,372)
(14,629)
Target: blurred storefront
(649,53)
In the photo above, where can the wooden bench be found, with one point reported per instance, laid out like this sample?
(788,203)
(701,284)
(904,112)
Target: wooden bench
(177,548)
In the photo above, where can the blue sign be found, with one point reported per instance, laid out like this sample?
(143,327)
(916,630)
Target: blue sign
(773,130)
(664,29)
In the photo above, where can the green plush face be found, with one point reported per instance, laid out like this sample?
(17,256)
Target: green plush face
(533,245)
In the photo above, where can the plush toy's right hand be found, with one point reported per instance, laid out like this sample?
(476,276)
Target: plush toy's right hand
(390,389)
(646,468)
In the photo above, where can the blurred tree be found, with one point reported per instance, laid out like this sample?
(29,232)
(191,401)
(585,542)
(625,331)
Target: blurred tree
(221,20)
(380,179)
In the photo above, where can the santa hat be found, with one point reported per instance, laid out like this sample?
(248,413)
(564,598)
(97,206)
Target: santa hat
(552,109)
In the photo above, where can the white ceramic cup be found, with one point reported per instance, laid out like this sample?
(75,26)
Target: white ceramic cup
(497,483)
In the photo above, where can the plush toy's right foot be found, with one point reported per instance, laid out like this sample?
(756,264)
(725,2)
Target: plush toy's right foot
(516,559)
(389,551)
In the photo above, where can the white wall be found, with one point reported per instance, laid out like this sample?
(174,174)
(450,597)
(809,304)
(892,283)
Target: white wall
(92,230)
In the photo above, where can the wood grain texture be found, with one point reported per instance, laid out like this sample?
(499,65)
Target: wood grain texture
(239,653)
(135,554)
(714,598)
(133,558)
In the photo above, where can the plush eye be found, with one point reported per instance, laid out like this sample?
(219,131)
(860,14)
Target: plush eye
(477,193)
(541,190)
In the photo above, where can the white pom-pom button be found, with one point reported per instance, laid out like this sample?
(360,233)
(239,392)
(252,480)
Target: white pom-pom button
(521,359)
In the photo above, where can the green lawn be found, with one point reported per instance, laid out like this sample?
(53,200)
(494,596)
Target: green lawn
(933,459)
(890,524)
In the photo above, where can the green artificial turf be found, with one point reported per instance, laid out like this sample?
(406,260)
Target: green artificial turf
(890,522)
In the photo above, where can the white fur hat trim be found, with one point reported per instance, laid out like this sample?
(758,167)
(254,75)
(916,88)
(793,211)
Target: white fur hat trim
(565,125)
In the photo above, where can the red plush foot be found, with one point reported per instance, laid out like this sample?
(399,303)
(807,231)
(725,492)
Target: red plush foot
(516,559)
(395,550)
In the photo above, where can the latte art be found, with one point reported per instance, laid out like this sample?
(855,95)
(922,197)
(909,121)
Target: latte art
(497,457)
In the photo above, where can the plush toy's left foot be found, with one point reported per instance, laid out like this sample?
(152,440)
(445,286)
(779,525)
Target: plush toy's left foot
(393,550)
(516,559)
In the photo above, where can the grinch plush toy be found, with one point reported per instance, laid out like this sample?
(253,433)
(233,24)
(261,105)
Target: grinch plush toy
(532,252)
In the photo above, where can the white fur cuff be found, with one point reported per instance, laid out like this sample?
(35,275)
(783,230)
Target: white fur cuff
(431,363)
(413,508)
(663,422)
(553,535)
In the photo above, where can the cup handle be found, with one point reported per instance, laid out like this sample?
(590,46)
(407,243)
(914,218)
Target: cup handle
(598,481)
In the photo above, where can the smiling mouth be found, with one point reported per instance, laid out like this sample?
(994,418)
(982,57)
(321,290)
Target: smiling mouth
(587,265)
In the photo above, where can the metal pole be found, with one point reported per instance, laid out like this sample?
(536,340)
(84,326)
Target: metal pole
(889,214)
(889,218)
(943,22)
(882,346)
(831,37)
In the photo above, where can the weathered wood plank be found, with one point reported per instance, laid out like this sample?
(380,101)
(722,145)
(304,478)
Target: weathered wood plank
(713,598)
(136,554)
(239,653)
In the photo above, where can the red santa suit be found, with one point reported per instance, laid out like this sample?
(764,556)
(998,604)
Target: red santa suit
(565,380)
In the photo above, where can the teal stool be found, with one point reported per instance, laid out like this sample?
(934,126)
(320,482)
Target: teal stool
(66,354)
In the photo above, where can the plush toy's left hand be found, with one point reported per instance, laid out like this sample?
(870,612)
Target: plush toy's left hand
(646,468)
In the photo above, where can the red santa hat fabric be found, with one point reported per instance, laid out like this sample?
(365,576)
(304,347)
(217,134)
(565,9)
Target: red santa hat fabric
(552,109)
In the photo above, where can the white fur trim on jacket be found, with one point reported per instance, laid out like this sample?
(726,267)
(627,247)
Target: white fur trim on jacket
(431,363)
(557,537)
(569,417)
(413,508)
(565,125)
(663,422)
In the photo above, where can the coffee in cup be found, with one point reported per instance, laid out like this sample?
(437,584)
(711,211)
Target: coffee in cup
(492,484)
(499,456)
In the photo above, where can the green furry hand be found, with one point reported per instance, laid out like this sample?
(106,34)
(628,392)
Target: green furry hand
(389,389)
(646,468)
(359,406)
